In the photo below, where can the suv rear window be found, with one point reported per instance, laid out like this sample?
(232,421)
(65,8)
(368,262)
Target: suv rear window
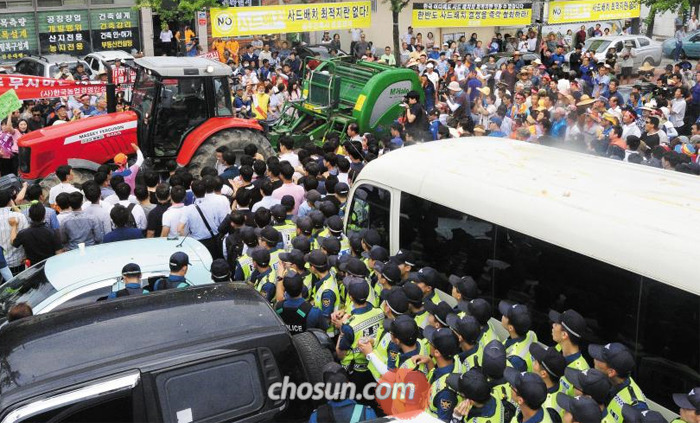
(223,389)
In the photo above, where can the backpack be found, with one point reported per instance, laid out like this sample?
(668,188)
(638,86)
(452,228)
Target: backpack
(132,221)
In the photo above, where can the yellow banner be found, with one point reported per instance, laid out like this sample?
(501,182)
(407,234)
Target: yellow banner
(434,15)
(237,21)
(592,10)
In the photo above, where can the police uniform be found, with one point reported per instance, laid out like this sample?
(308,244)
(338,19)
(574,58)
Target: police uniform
(244,267)
(298,315)
(384,349)
(288,231)
(470,358)
(421,318)
(541,416)
(264,283)
(172,281)
(551,401)
(363,323)
(518,351)
(491,412)
(403,360)
(442,399)
(574,361)
(326,297)
(628,392)
(129,289)
(342,411)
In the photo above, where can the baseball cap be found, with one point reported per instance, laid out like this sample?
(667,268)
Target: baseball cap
(377,253)
(293,283)
(529,386)
(261,256)
(443,340)
(493,362)
(312,196)
(583,409)
(371,237)
(429,276)
(295,257)
(404,328)
(465,285)
(591,382)
(334,373)
(550,359)
(497,120)
(355,241)
(328,208)
(396,299)
(248,236)
(131,269)
(301,243)
(404,257)
(634,415)
(467,327)
(440,311)
(317,258)
(414,293)
(305,225)
(471,385)
(517,314)
(342,188)
(178,260)
(317,219)
(689,401)
(480,309)
(278,211)
(220,271)
(270,234)
(335,224)
(571,321)
(331,245)
(615,355)
(358,288)
(389,271)
(119,159)
(354,266)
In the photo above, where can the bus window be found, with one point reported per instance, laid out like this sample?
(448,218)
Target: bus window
(447,240)
(370,209)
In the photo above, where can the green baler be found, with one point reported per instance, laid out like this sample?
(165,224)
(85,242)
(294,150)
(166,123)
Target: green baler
(339,92)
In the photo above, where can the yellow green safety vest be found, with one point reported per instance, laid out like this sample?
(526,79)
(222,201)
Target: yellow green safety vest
(545,417)
(381,346)
(246,263)
(409,364)
(365,325)
(488,336)
(328,284)
(503,392)
(270,277)
(522,349)
(275,260)
(421,319)
(631,394)
(372,299)
(496,417)
(438,385)
(309,284)
(551,402)
(472,360)
(579,364)
(435,298)
(288,230)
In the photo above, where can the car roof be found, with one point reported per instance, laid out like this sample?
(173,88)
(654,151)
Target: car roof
(102,261)
(111,55)
(180,66)
(617,37)
(76,345)
(58,58)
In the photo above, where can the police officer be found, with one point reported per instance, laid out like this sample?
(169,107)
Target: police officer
(616,361)
(364,322)
(468,332)
(387,276)
(131,275)
(406,262)
(493,365)
(464,289)
(317,220)
(342,410)
(262,278)
(293,261)
(329,245)
(305,227)
(579,409)
(415,304)
(296,313)
(394,303)
(301,243)
(377,255)
(479,405)
(516,320)
(594,384)
(284,226)
(427,280)
(437,313)
(355,267)
(325,293)
(549,364)
(244,263)
(334,228)
(269,240)
(444,346)
(689,405)
(529,392)
(634,415)
(568,329)
(404,334)
(481,310)
(179,263)
(220,272)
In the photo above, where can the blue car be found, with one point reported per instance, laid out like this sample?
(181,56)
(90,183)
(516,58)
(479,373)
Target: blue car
(691,46)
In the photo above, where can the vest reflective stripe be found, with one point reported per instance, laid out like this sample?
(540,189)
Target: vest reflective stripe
(566,386)
(551,402)
(545,417)
(380,350)
(270,277)
(471,361)
(364,325)
(631,395)
(522,349)
(275,260)
(344,246)
(246,263)
(488,336)
(328,285)
(496,417)
(441,383)
(409,364)
(421,319)
(288,232)
(308,283)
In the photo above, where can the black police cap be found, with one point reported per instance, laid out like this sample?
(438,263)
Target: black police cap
(261,256)
(220,271)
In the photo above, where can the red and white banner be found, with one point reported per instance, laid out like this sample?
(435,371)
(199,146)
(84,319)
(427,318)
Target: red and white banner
(123,76)
(35,87)
(213,55)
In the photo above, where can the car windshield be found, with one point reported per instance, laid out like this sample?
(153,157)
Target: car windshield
(597,46)
(30,286)
(53,70)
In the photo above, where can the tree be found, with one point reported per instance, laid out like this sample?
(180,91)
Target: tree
(182,10)
(661,6)
(396,7)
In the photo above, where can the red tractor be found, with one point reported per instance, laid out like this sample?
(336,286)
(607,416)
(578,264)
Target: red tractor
(181,110)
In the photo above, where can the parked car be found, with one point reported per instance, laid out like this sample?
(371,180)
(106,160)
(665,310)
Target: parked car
(310,50)
(645,49)
(206,353)
(47,66)
(690,49)
(505,57)
(95,59)
(78,278)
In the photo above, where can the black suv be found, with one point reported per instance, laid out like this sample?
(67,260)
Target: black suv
(205,354)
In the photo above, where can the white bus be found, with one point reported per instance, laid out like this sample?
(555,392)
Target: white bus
(554,229)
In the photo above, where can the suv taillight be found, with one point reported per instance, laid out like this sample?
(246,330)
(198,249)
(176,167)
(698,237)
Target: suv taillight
(25,156)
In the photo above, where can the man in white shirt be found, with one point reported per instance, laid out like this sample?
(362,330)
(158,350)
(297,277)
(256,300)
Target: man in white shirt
(65,176)
(405,37)
(678,107)
(432,75)
(94,208)
(216,201)
(287,153)
(268,200)
(122,192)
(264,54)
(460,70)
(629,125)
(171,217)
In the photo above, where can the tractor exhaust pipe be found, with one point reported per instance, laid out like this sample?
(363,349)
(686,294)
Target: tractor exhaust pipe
(111,89)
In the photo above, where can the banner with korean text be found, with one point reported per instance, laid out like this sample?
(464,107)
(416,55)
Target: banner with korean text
(237,21)
(440,15)
(592,10)
(34,87)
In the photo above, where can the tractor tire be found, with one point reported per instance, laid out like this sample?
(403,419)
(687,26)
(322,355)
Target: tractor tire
(235,140)
(80,176)
(312,355)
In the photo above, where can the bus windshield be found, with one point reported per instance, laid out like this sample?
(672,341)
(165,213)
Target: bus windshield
(30,286)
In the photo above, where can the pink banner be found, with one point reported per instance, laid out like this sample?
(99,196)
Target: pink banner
(35,87)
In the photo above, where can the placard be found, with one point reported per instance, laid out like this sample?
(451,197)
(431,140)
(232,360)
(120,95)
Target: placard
(237,21)
(17,36)
(440,15)
(115,29)
(64,32)
(592,10)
